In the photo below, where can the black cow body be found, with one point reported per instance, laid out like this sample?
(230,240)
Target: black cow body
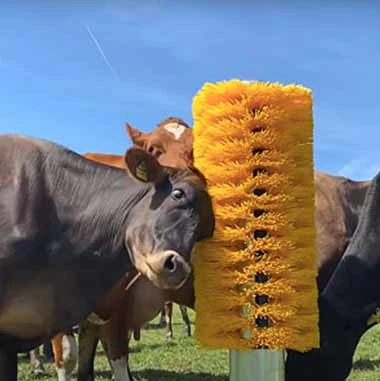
(347,298)
(58,248)
(64,232)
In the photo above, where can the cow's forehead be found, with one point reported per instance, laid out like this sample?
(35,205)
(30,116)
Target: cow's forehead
(172,130)
(189,175)
(175,129)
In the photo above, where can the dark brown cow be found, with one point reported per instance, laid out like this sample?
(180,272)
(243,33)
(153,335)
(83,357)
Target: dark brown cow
(113,306)
(66,220)
(350,296)
(172,143)
(143,301)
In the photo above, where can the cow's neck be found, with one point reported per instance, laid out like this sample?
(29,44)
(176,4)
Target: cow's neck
(353,194)
(353,289)
(92,206)
(94,203)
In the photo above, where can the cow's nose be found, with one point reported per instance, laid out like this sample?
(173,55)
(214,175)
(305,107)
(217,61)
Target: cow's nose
(168,269)
(170,263)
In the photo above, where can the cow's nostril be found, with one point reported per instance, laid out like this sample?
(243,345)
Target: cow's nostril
(170,263)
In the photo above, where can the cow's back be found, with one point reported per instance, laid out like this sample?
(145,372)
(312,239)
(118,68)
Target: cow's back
(108,159)
(338,203)
(17,151)
(21,183)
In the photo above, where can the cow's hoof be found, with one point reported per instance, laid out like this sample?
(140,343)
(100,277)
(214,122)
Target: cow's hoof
(187,331)
(169,338)
(39,372)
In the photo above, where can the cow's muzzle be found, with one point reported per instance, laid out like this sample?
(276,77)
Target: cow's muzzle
(166,269)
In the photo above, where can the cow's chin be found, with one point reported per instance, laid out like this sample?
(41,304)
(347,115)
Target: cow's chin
(165,269)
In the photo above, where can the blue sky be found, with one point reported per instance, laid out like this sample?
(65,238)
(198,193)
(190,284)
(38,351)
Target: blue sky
(56,84)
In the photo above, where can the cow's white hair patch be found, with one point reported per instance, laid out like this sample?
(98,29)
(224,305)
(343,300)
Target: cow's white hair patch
(69,353)
(176,129)
(120,369)
(62,375)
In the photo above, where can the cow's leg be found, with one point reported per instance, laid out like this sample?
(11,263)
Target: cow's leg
(162,322)
(36,361)
(8,365)
(168,306)
(65,355)
(48,351)
(186,320)
(115,341)
(119,372)
(121,369)
(88,337)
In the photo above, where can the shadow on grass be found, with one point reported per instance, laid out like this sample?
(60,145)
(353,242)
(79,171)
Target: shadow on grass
(365,364)
(165,375)
(22,359)
(159,374)
(149,326)
(140,348)
(104,374)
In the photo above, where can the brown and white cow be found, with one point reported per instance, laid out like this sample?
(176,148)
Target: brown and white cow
(67,220)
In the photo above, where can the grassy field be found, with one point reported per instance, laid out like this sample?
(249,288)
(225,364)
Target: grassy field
(154,360)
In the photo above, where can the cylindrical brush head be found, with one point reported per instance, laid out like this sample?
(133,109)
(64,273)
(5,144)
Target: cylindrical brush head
(255,280)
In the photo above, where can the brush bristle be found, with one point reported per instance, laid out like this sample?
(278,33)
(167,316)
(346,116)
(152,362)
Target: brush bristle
(255,280)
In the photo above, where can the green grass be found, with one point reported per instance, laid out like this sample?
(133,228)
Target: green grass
(154,360)
(367,357)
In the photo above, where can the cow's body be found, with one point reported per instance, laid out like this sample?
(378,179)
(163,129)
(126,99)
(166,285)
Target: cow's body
(140,304)
(46,196)
(339,204)
(65,224)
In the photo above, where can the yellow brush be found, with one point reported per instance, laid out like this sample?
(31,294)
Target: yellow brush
(255,280)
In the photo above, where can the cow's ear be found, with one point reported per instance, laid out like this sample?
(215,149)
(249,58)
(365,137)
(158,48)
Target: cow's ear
(143,166)
(137,137)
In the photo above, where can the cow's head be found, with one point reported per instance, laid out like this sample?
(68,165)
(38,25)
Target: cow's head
(164,226)
(171,143)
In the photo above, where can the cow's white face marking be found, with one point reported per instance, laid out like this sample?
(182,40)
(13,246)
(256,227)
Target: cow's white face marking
(120,369)
(176,129)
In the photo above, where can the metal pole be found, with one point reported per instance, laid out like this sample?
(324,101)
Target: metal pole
(257,365)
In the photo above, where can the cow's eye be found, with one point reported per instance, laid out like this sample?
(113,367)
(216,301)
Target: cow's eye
(178,194)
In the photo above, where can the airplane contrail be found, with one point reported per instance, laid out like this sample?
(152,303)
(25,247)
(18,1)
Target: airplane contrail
(100,50)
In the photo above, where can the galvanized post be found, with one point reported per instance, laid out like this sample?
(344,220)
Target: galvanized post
(257,365)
